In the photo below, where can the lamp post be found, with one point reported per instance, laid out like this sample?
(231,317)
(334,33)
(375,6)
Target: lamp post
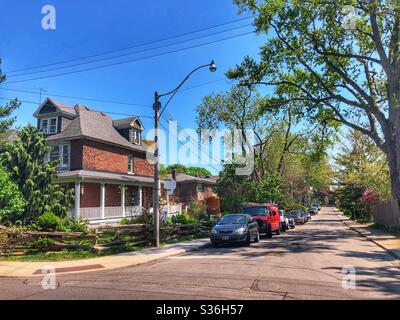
(157,114)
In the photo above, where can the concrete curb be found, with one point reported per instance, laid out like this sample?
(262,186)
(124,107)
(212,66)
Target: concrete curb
(393,253)
(12,269)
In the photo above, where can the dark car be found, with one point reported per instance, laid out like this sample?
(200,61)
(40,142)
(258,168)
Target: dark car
(318,206)
(313,211)
(235,228)
(298,216)
(292,223)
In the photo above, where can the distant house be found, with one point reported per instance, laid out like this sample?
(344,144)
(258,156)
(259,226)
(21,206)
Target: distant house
(190,188)
(103,159)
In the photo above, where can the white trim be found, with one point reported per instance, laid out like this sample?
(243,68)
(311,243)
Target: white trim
(102,199)
(77,200)
(47,131)
(123,200)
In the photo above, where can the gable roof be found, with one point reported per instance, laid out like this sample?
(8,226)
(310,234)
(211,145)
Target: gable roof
(61,107)
(128,122)
(185,178)
(96,126)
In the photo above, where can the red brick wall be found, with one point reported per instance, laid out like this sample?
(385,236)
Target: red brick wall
(103,157)
(90,195)
(113,195)
(141,166)
(147,197)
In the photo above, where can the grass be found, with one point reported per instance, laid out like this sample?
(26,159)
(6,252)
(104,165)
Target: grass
(81,254)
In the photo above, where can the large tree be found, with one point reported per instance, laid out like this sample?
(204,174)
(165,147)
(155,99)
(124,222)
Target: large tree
(331,65)
(26,160)
(6,121)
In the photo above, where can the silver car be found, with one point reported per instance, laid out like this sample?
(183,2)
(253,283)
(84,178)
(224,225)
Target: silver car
(235,228)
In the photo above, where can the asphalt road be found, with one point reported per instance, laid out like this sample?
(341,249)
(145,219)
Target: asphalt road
(304,263)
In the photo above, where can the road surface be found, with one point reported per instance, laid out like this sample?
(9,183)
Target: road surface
(304,263)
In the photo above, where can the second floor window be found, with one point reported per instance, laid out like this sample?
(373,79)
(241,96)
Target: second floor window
(134,136)
(65,155)
(130,163)
(49,126)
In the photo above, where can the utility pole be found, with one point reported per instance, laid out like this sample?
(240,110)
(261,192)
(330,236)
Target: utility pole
(157,184)
(157,113)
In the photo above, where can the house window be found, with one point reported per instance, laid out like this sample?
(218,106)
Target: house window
(134,136)
(65,155)
(130,163)
(200,187)
(54,154)
(49,126)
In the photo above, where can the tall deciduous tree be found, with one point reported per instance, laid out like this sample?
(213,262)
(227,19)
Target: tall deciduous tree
(348,70)
(25,159)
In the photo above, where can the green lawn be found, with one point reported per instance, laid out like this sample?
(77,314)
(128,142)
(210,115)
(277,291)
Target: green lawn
(77,255)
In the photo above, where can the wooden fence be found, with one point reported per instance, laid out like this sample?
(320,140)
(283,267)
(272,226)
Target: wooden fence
(14,242)
(387,213)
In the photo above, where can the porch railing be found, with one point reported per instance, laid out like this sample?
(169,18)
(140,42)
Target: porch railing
(94,213)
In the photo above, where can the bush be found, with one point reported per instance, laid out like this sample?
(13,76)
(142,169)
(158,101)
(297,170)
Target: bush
(72,225)
(183,219)
(12,203)
(48,221)
(197,209)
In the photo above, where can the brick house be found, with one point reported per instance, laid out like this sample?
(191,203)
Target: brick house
(103,159)
(190,188)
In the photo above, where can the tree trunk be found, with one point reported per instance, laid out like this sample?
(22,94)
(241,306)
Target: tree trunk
(393,157)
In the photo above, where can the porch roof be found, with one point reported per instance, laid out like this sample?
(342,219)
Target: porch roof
(99,176)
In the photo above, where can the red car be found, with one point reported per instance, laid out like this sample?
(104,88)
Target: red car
(266,215)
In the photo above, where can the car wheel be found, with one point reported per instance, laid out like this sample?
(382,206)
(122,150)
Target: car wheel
(269,231)
(257,238)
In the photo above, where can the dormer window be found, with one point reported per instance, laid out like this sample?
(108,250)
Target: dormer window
(49,125)
(134,136)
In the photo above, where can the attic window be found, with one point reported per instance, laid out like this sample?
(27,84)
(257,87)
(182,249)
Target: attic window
(49,125)
(134,136)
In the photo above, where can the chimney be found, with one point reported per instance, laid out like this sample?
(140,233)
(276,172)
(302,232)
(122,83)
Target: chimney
(173,174)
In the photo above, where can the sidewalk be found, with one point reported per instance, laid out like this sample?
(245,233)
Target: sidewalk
(28,269)
(387,241)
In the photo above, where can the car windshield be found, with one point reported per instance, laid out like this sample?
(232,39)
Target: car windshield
(256,211)
(233,219)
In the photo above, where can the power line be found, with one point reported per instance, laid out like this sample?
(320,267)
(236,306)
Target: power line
(202,148)
(190,141)
(127,54)
(132,60)
(114,113)
(80,98)
(131,47)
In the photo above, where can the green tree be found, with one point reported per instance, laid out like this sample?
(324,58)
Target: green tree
(361,163)
(341,71)
(12,203)
(25,159)
(193,171)
(6,111)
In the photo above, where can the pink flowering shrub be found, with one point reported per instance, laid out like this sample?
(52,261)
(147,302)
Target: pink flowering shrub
(369,197)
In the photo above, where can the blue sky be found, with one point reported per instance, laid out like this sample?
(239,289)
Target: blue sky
(85,29)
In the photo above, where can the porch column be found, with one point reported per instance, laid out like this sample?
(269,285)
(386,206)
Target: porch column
(123,200)
(77,208)
(140,198)
(102,199)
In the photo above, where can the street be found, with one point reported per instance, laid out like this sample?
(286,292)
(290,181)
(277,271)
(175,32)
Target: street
(303,263)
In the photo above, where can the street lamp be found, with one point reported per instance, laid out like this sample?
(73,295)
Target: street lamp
(157,185)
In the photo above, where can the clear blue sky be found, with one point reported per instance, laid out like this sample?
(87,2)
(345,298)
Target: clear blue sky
(85,28)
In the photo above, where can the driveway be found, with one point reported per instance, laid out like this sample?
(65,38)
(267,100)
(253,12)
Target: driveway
(304,263)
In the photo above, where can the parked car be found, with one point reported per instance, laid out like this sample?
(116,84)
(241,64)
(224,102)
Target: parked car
(292,223)
(235,228)
(318,206)
(313,211)
(308,215)
(284,221)
(267,217)
(298,216)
